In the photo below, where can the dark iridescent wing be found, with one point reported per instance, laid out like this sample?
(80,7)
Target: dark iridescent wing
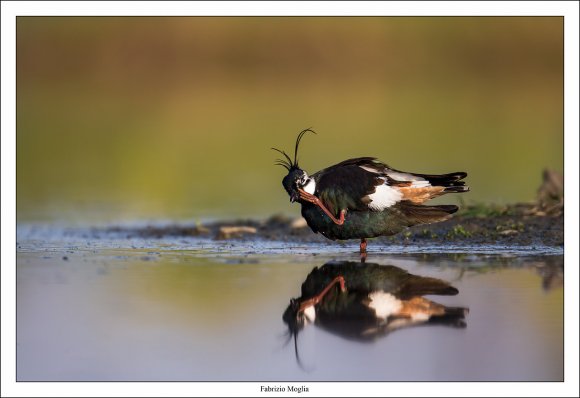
(346,185)
(370,277)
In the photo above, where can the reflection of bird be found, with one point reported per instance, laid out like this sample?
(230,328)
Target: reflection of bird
(363,198)
(365,301)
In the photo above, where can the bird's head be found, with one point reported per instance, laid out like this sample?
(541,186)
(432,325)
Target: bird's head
(296,179)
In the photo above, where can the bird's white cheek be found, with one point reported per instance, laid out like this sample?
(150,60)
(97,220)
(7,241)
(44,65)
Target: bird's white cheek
(310,314)
(310,186)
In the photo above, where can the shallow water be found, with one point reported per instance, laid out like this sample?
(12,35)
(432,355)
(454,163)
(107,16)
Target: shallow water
(105,308)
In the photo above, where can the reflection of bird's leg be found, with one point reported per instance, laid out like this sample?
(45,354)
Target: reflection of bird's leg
(315,200)
(316,299)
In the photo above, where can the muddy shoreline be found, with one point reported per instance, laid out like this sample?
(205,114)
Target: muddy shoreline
(519,225)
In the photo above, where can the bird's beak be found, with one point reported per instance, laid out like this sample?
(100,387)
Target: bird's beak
(294,197)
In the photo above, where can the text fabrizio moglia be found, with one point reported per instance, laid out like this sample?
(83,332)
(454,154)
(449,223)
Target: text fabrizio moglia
(283,389)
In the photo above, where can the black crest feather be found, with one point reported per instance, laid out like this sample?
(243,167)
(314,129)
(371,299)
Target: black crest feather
(287,162)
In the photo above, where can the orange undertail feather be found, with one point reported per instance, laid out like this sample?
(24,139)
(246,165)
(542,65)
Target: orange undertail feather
(420,195)
(420,306)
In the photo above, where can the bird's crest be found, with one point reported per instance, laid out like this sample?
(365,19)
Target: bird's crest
(287,162)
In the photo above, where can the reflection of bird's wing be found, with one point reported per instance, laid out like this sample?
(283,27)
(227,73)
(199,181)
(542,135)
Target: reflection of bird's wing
(378,300)
(420,285)
(369,277)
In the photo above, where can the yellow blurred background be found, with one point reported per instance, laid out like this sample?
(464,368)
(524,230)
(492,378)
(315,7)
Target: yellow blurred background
(123,118)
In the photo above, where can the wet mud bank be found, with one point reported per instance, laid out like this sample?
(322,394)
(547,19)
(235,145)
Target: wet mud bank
(519,225)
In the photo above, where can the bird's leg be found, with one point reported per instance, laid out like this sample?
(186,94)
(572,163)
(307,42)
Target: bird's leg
(363,250)
(313,199)
(316,299)
(363,245)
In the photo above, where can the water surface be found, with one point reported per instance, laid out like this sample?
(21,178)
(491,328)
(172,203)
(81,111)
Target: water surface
(193,310)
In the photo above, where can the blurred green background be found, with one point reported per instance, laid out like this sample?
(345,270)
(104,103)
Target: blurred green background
(124,118)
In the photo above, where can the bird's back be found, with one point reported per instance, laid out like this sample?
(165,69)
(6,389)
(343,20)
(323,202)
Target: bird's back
(378,200)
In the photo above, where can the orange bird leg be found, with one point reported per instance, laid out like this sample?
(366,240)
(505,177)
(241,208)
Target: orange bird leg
(363,245)
(363,250)
(313,199)
(318,298)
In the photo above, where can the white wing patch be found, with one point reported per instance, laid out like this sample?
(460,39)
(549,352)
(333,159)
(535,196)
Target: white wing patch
(384,196)
(416,181)
(420,316)
(395,175)
(420,184)
(373,169)
(384,304)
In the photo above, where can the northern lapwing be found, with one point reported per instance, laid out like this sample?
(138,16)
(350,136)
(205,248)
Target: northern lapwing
(365,301)
(364,198)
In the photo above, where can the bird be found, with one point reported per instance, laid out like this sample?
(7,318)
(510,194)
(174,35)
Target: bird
(363,198)
(364,301)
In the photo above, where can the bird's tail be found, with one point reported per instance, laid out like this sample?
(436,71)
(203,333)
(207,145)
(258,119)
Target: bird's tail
(430,186)
(452,316)
(451,182)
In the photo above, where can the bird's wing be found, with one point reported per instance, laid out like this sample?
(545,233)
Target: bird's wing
(346,185)
(368,184)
